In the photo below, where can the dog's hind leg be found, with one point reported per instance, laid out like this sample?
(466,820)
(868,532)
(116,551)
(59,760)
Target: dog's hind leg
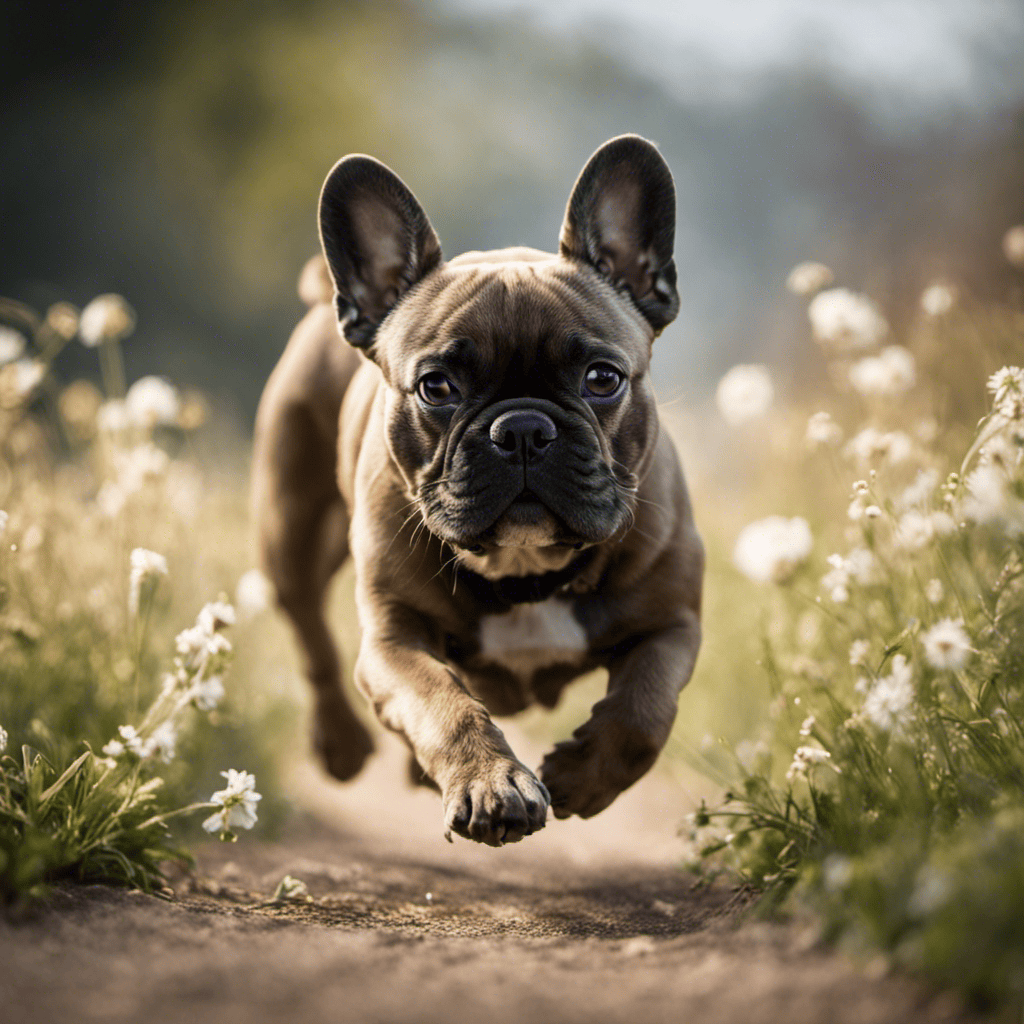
(303,538)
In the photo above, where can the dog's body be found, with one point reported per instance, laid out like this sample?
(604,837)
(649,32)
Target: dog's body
(492,462)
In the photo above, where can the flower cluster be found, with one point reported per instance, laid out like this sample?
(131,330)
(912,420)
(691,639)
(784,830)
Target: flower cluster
(772,549)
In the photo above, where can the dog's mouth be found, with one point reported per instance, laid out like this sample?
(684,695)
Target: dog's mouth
(526,522)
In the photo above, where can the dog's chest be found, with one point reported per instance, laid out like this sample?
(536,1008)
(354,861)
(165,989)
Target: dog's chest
(532,637)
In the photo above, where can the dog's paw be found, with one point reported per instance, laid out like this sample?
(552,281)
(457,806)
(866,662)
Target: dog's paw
(499,805)
(585,774)
(339,738)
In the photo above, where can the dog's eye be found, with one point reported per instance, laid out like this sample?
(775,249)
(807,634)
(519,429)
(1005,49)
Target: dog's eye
(602,381)
(437,389)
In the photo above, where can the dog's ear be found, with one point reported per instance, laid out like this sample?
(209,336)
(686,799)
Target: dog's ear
(621,219)
(377,241)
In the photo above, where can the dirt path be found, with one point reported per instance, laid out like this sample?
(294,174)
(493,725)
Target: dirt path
(588,921)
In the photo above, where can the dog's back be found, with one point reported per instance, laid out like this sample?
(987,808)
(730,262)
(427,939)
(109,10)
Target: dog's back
(301,519)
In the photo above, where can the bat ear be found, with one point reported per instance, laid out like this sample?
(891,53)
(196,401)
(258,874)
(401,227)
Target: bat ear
(621,220)
(377,241)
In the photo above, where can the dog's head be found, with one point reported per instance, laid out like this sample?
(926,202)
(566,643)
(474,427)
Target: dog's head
(519,407)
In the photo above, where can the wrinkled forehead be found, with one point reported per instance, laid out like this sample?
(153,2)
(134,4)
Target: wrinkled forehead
(524,311)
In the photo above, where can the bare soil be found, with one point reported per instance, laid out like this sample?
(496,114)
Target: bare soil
(587,921)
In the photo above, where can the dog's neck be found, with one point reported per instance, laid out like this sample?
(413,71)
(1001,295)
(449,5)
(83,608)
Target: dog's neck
(502,593)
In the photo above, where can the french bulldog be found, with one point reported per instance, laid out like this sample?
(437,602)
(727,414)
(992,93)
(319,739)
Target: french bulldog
(483,441)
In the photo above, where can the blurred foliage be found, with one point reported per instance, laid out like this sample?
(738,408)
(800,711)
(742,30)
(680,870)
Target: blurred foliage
(174,152)
(84,480)
(884,784)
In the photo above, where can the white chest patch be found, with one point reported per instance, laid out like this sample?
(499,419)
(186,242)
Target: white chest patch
(533,636)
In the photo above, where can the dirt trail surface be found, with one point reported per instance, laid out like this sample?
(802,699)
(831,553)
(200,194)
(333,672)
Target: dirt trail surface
(587,921)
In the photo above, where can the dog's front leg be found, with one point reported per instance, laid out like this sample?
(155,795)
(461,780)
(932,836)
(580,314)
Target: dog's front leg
(487,793)
(628,728)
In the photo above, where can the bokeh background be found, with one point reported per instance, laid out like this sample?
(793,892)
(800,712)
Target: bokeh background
(173,152)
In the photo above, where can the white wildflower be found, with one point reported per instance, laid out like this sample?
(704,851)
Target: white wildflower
(744,394)
(1007,387)
(253,594)
(804,758)
(215,615)
(162,742)
(12,344)
(106,318)
(889,702)
(859,651)
(892,372)
(771,549)
(934,591)
(237,803)
(823,430)
(872,512)
(920,491)
(987,499)
(27,375)
(208,693)
(1013,245)
(152,401)
(144,565)
(946,645)
(3,739)
(914,531)
(872,445)
(842,319)
(938,298)
(130,740)
(1002,452)
(861,565)
(197,642)
(808,277)
(836,580)
(807,727)
(112,417)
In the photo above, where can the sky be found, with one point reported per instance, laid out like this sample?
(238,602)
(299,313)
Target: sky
(907,59)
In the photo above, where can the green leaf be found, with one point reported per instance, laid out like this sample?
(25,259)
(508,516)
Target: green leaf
(66,775)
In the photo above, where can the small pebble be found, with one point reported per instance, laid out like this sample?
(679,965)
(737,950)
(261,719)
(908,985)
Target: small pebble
(640,945)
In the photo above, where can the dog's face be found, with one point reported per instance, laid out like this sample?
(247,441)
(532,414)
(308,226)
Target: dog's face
(519,408)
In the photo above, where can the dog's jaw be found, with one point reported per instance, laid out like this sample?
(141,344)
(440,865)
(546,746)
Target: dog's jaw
(524,541)
(525,560)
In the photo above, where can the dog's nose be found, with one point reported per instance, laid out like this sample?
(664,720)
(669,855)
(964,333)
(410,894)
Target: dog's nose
(523,429)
